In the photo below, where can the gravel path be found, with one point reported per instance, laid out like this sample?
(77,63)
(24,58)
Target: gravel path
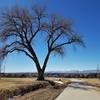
(78,90)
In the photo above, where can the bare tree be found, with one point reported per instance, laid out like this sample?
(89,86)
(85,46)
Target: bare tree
(19,27)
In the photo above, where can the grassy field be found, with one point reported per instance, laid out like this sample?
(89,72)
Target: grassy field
(92,81)
(6,83)
(37,90)
(49,90)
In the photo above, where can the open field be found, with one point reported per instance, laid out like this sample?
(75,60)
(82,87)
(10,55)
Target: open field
(92,81)
(6,83)
(30,88)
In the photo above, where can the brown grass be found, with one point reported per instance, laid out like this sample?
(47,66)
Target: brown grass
(30,88)
(42,94)
(7,83)
(64,80)
(92,81)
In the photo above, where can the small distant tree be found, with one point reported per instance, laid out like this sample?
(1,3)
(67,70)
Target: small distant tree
(19,28)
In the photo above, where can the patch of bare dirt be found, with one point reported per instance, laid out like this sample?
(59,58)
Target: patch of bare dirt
(42,94)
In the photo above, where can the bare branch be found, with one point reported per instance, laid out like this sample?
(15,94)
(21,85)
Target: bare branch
(59,50)
(16,49)
(34,33)
(74,39)
(59,35)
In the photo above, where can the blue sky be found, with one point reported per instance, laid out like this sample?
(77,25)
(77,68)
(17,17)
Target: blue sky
(86,17)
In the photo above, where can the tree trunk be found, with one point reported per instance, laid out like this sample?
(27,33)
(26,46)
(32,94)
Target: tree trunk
(41,71)
(46,61)
(40,75)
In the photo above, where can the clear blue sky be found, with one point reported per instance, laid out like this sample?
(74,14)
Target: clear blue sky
(86,17)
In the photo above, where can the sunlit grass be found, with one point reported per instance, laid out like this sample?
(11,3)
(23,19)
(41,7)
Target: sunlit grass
(64,80)
(44,89)
(6,83)
(92,81)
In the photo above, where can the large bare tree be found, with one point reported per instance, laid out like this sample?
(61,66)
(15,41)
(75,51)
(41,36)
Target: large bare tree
(19,28)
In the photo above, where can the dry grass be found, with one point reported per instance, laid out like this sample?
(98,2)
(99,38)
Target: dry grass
(92,81)
(42,94)
(7,83)
(48,90)
(64,80)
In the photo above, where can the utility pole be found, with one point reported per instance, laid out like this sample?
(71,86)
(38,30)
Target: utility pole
(98,72)
(0,68)
(4,68)
(1,63)
(4,71)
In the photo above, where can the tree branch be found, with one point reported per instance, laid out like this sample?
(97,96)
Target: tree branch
(53,41)
(16,49)
(56,39)
(38,29)
(69,42)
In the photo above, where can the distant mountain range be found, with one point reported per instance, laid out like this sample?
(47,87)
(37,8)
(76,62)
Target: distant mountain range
(68,74)
(71,71)
(74,71)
